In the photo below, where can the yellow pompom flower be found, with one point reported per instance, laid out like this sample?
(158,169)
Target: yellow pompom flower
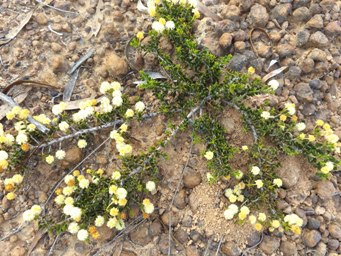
(209,155)
(162,21)
(242,215)
(112,189)
(49,159)
(152,10)
(122,202)
(301,136)
(59,191)
(123,128)
(251,70)
(294,118)
(261,216)
(296,229)
(100,172)
(326,127)
(252,219)
(311,138)
(258,226)
(11,196)
(10,115)
(76,173)
(283,118)
(259,183)
(325,170)
(129,113)
(3,164)
(245,148)
(9,187)
(196,14)
(80,177)
(24,113)
(114,212)
(319,122)
(275,224)
(140,35)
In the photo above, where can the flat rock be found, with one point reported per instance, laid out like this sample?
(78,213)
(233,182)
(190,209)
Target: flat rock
(141,235)
(269,244)
(289,172)
(288,248)
(304,92)
(317,55)
(319,40)
(192,179)
(302,37)
(180,199)
(285,50)
(315,22)
(325,190)
(73,155)
(311,238)
(281,12)
(333,28)
(253,239)
(225,40)
(258,16)
(301,14)
(231,12)
(230,249)
(335,230)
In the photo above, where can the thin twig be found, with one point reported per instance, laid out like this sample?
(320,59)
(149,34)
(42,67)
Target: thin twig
(81,60)
(12,103)
(56,9)
(18,229)
(219,245)
(53,31)
(54,244)
(89,130)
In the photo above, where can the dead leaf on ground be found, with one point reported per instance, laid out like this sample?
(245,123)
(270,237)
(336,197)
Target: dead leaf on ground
(95,23)
(274,73)
(141,7)
(15,30)
(207,12)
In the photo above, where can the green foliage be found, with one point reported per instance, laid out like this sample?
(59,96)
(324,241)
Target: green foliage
(213,135)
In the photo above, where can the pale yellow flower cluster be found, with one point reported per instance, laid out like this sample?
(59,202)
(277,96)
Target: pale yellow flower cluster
(329,166)
(295,223)
(17,112)
(11,184)
(235,194)
(148,206)
(258,222)
(32,213)
(123,148)
(290,108)
(209,155)
(328,134)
